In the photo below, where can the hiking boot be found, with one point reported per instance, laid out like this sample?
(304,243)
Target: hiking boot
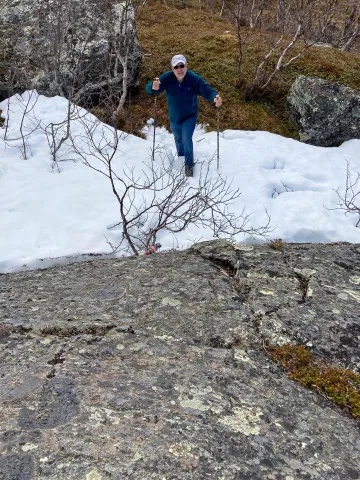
(189,171)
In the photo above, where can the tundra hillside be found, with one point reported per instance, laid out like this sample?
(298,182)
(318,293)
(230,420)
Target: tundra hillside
(210,42)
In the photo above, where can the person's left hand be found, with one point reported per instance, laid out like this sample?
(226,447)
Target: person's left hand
(217,101)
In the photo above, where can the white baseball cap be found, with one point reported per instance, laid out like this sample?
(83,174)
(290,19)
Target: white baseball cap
(177,59)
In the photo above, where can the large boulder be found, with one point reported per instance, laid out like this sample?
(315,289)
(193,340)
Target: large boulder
(326,113)
(157,367)
(68,47)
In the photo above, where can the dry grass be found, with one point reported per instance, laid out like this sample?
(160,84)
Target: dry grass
(277,244)
(210,44)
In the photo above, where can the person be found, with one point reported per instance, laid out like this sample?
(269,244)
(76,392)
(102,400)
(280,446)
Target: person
(182,88)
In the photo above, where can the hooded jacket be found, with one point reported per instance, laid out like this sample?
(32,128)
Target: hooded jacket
(182,96)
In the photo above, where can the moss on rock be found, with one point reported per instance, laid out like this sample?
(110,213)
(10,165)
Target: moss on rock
(342,386)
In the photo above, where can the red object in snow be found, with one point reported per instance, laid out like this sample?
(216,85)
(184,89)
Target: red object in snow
(153,249)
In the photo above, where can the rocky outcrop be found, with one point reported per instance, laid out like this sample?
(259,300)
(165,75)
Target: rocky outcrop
(156,367)
(326,113)
(71,47)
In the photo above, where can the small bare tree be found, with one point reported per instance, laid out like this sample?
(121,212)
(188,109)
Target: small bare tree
(58,133)
(349,201)
(123,46)
(155,197)
(237,10)
(88,61)
(351,28)
(27,124)
(301,24)
(85,52)
(294,26)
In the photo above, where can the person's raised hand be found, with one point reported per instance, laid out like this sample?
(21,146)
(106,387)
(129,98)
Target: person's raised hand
(156,84)
(217,101)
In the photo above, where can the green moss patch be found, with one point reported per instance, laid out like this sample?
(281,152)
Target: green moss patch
(339,385)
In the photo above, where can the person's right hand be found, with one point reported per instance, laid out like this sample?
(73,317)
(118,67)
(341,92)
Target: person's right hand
(156,84)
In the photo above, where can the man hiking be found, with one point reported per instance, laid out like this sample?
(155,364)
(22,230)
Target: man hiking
(182,89)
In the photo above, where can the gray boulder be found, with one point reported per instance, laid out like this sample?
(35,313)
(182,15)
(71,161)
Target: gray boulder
(326,113)
(70,48)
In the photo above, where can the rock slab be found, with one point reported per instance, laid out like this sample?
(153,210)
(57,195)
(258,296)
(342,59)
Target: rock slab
(155,367)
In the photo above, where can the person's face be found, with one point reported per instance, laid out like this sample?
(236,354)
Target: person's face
(180,70)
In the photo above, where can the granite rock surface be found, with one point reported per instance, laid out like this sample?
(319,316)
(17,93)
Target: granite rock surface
(156,367)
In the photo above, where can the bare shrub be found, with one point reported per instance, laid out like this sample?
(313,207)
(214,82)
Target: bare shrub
(27,125)
(78,50)
(351,27)
(349,200)
(88,62)
(295,26)
(154,197)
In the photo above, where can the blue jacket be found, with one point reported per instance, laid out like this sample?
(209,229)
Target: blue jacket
(182,97)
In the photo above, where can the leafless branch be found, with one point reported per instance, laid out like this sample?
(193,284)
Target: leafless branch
(153,197)
(349,201)
(24,126)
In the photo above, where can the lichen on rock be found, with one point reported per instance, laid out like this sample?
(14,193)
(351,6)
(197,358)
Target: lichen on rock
(174,377)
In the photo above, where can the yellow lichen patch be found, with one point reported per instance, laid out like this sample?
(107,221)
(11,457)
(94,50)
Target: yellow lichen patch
(194,404)
(137,456)
(103,416)
(241,355)
(354,294)
(93,475)
(243,248)
(257,275)
(340,385)
(181,450)
(267,292)
(204,400)
(244,420)
(355,280)
(336,310)
(29,446)
(171,302)
(166,338)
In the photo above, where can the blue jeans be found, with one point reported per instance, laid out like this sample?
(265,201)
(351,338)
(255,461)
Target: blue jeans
(183,133)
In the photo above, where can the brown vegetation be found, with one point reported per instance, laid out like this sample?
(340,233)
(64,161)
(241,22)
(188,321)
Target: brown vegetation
(342,386)
(210,43)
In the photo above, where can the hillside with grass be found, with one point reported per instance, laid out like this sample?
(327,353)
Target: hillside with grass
(210,44)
